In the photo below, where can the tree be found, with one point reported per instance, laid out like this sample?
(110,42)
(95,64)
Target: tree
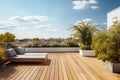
(8,37)
(35,39)
(83,33)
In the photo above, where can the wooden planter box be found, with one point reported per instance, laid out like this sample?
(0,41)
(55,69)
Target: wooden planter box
(87,53)
(113,67)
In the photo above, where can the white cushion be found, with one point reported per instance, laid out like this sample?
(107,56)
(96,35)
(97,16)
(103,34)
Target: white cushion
(35,54)
(28,57)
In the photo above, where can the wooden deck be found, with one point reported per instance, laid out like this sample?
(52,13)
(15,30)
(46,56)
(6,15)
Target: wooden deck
(60,66)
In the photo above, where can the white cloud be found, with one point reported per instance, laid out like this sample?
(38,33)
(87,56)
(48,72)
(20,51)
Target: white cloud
(29,19)
(52,29)
(40,26)
(87,19)
(18,22)
(43,26)
(93,1)
(79,4)
(23,28)
(94,7)
(31,26)
(48,27)
(7,23)
(83,4)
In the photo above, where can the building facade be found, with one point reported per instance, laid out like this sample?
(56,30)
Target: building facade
(113,16)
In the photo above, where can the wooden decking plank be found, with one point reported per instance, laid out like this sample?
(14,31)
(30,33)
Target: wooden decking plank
(60,68)
(4,74)
(44,72)
(95,74)
(67,68)
(64,70)
(16,73)
(71,69)
(52,70)
(47,75)
(86,69)
(90,69)
(18,70)
(56,67)
(99,72)
(28,76)
(3,70)
(25,72)
(40,73)
(37,71)
(63,66)
(78,71)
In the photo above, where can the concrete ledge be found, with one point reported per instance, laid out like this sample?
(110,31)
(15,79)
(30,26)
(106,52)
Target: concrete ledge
(53,49)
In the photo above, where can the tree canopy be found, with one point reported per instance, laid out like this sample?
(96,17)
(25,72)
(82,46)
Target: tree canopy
(7,37)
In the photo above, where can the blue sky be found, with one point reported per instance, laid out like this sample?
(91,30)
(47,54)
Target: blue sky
(50,18)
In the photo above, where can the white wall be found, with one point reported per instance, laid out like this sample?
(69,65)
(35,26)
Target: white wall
(111,16)
(53,49)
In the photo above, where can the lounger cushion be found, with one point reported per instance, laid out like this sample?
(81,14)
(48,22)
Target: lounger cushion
(20,50)
(36,54)
(27,57)
(11,52)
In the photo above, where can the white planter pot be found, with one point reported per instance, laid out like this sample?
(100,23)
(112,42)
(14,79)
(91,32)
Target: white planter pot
(113,67)
(87,53)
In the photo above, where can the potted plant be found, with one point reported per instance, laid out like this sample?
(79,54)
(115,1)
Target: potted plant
(84,32)
(107,43)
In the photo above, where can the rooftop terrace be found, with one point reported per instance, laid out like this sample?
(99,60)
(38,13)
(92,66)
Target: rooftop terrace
(60,66)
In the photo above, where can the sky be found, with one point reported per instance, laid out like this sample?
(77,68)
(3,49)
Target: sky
(50,18)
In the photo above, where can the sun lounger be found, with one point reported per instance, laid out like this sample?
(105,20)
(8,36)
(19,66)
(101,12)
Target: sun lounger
(25,57)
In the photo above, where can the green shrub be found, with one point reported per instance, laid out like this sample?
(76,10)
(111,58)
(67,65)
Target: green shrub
(63,45)
(11,45)
(27,45)
(36,44)
(72,43)
(107,43)
(54,44)
(3,57)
